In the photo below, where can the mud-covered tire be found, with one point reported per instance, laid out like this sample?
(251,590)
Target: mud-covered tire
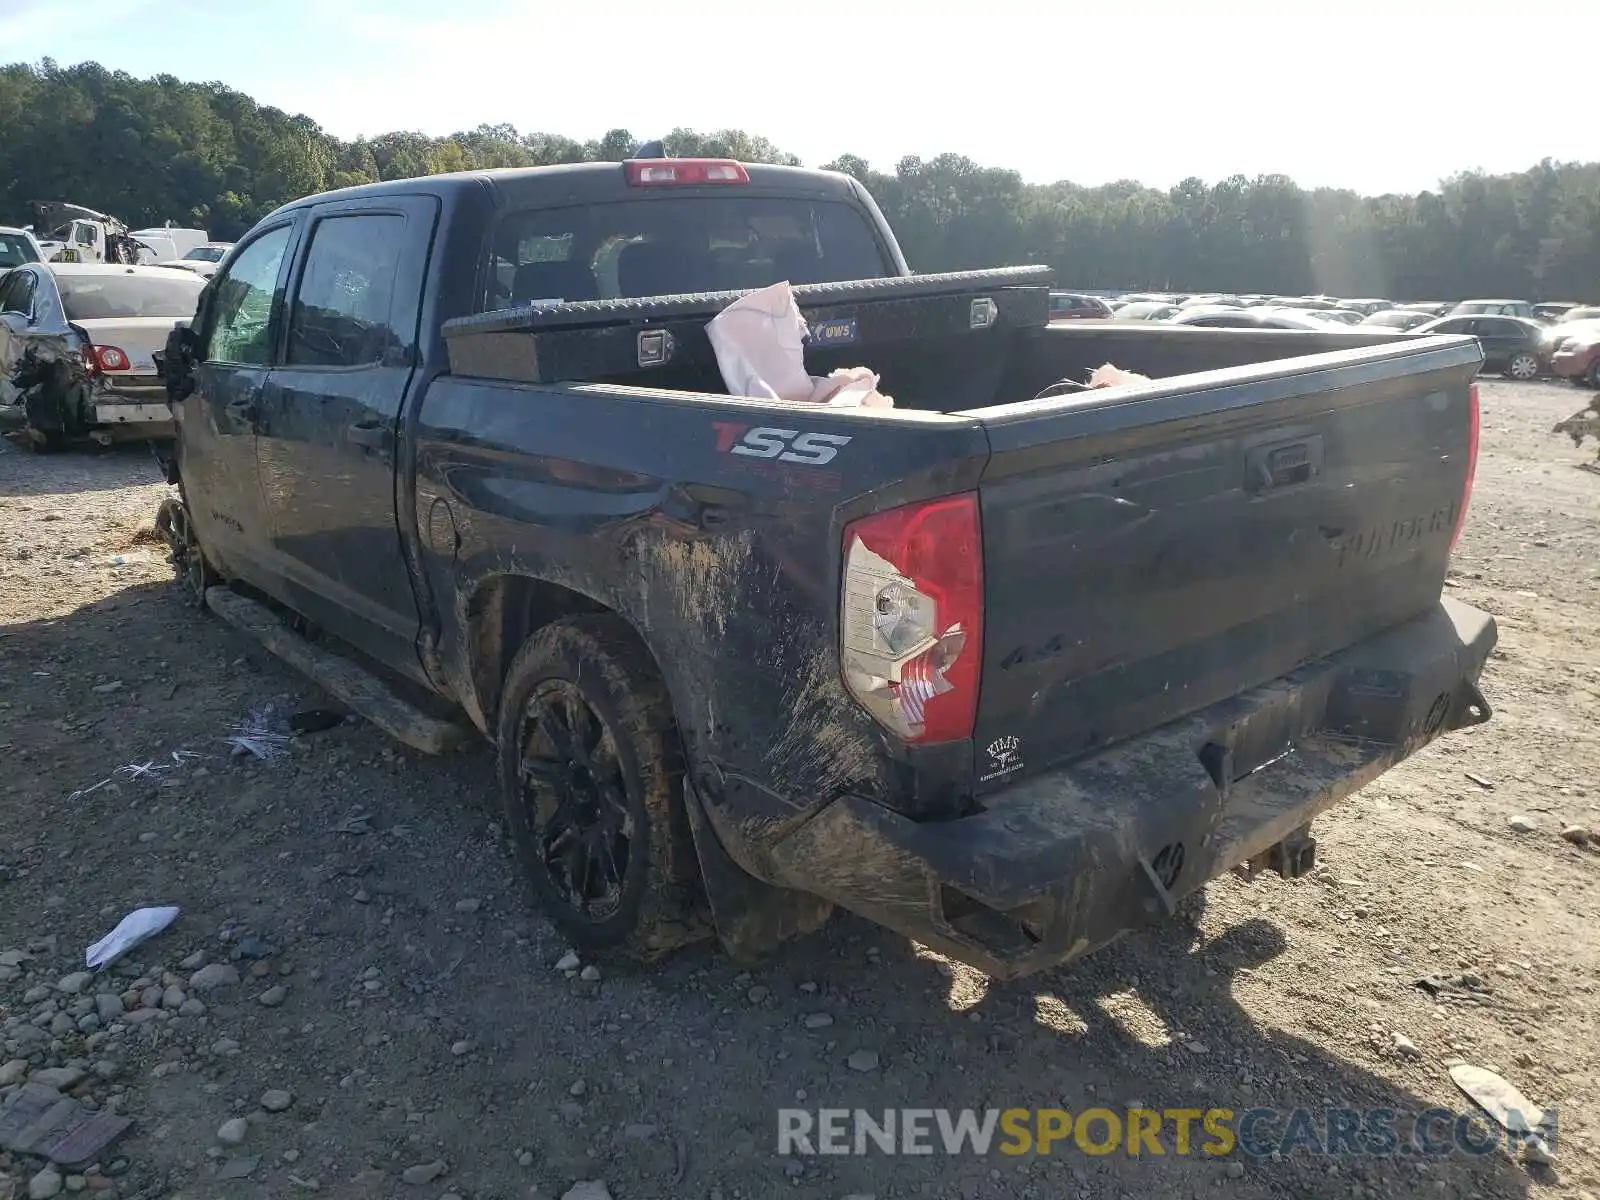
(194,570)
(598,660)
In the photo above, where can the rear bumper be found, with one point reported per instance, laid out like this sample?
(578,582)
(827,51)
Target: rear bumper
(133,409)
(1067,862)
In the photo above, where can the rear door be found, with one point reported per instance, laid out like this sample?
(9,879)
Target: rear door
(217,445)
(1148,554)
(330,420)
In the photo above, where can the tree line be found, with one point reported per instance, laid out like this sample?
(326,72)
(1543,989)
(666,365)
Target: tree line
(152,150)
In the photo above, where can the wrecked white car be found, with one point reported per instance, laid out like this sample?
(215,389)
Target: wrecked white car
(77,346)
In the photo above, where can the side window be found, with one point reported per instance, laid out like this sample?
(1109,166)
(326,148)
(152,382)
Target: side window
(340,315)
(18,293)
(244,302)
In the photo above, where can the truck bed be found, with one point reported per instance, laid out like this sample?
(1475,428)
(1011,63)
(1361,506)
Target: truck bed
(1151,555)
(1153,549)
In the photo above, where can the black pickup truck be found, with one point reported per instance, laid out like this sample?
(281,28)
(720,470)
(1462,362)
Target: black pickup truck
(1008,671)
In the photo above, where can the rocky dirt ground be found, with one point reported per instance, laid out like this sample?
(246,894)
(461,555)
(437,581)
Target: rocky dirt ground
(358,1002)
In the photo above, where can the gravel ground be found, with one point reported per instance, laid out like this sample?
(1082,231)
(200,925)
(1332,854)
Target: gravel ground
(369,1007)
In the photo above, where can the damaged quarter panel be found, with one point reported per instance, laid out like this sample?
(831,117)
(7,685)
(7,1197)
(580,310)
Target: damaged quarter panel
(653,513)
(40,368)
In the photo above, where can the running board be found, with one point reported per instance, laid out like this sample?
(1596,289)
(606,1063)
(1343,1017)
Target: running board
(366,693)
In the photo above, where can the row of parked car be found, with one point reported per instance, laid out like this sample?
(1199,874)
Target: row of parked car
(1519,339)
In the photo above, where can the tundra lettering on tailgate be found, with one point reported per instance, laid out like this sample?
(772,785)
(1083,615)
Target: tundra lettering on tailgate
(1368,544)
(785,445)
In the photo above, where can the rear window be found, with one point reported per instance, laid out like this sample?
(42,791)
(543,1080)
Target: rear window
(666,245)
(92,297)
(15,250)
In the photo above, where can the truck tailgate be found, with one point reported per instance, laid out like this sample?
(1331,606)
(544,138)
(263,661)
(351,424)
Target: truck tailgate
(1158,549)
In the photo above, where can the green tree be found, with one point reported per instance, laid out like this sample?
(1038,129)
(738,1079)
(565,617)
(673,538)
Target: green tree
(150,150)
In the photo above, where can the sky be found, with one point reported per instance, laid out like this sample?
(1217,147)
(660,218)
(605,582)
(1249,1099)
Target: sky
(1376,95)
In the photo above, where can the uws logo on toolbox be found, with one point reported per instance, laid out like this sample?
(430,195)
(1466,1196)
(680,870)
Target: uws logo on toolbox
(785,445)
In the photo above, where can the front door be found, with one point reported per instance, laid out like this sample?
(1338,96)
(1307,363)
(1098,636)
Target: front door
(331,422)
(1499,339)
(217,452)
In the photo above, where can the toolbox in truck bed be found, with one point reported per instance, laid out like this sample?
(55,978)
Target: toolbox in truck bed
(661,340)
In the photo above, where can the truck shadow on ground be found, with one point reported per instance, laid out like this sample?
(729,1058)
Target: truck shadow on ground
(1167,1019)
(25,472)
(700,1051)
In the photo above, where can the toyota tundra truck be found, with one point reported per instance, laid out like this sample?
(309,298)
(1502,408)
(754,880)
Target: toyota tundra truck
(1010,668)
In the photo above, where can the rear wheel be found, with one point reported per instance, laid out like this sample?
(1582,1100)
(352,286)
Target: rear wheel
(591,775)
(195,573)
(1523,366)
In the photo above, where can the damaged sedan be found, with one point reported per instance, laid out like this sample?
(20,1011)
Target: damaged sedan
(77,346)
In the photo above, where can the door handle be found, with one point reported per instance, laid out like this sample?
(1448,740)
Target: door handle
(1283,466)
(369,433)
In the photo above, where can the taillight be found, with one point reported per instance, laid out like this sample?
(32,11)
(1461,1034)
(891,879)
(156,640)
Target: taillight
(107,358)
(1472,461)
(912,623)
(684,172)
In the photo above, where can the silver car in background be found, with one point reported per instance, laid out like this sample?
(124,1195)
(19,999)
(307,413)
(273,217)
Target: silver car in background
(77,346)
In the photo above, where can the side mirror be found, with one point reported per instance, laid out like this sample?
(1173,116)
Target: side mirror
(177,363)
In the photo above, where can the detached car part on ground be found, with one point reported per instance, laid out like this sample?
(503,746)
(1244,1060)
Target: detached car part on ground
(1583,424)
(1009,668)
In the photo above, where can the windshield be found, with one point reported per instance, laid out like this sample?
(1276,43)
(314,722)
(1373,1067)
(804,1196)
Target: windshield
(207,253)
(16,250)
(92,297)
(668,245)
